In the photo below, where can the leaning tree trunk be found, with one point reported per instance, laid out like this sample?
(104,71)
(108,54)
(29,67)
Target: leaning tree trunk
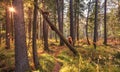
(105,27)
(58,32)
(34,47)
(21,56)
(95,24)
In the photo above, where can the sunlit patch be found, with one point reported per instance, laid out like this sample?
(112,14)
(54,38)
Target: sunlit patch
(11,9)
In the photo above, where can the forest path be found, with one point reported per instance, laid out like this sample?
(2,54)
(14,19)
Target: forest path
(57,51)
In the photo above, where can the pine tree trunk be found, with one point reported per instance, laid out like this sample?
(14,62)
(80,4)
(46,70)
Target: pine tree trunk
(34,47)
(29,24)
(77,19)
(0,34)
(87,23)
(7,29)
(45,35)
(71,22)
(55,21)
(105,27)
(21,57)
(95,24)
(60,34)
(60,17)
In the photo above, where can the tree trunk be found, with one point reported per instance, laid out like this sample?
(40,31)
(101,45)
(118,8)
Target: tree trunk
(29,25)
(105,27)
(34,47)
(45,35)
(76,21)
(12,26)
(87,23)
(21,57)
(119,11)
(45,29)
(60,17)
(55,26)
(77,28)
(7,29)
(75,17)
(59,34)
(0,34)
(71,22)
(95,24)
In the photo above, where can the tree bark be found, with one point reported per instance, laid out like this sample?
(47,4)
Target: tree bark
(21,57)
(55,21)
(60,34)
(45,35)
(0,34)
(76,20)
(45,29)
(7,29)
(60,17)
(105,27)
(71,22)
(95,24)
(34,47)
(87,23)
(74,51)
(29,24)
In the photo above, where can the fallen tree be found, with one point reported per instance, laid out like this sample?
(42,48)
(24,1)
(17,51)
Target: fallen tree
(45,16)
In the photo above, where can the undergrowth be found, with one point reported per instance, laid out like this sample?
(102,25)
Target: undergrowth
(102,59)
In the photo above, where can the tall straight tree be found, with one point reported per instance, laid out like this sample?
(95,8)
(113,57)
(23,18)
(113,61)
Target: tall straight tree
(45,29)
(95,24)
(7,28)
(34,47)
(0,34)
(29,23)
(87,22)
(77,18)
(60,6)
(45,35)
(71,22)
(105,27)
(21,56)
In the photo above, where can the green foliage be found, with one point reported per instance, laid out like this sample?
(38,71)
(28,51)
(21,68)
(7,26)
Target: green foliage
(117,55)
(6,60)
(47,62)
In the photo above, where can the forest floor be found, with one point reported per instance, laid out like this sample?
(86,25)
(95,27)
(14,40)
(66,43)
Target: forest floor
(61,59)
